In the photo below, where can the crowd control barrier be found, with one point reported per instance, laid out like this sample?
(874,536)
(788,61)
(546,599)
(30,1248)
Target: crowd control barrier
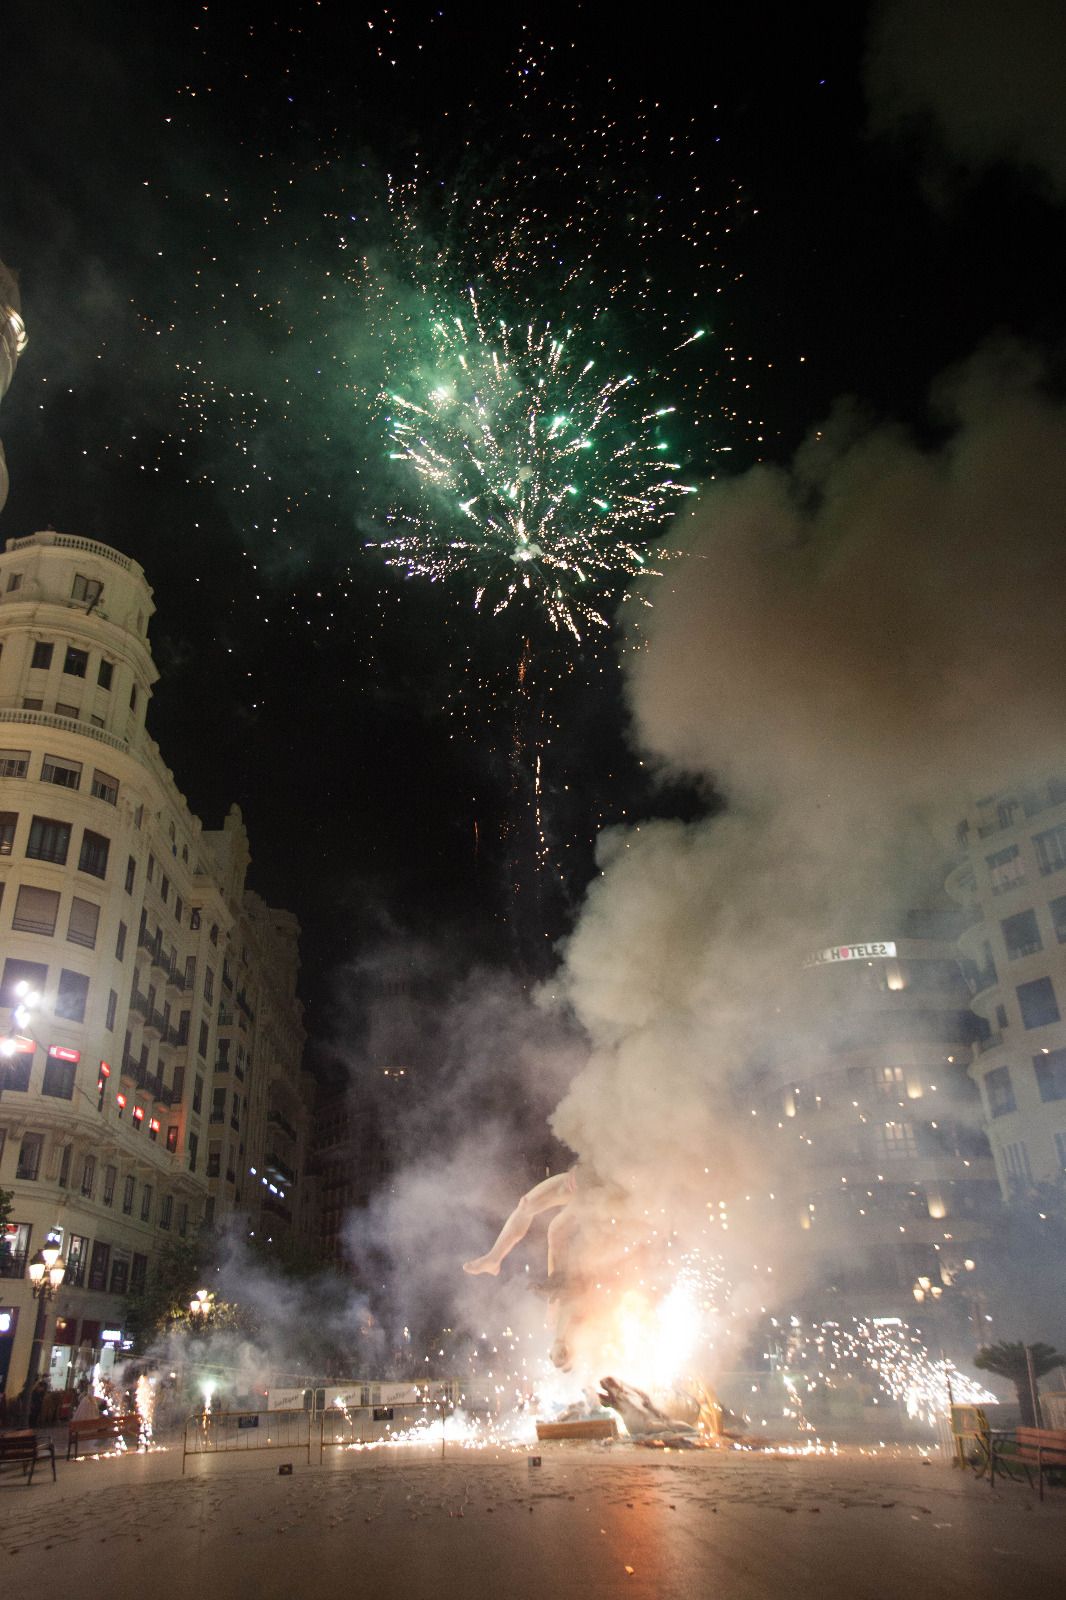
(245,1432)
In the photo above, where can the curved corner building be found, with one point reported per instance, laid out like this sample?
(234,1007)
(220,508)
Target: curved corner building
(12,344)
(152,1074)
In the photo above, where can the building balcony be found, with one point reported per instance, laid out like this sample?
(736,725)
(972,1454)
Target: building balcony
(279,1170)
(276,1120)
(139,1003)
(153,1023)
(13,1263)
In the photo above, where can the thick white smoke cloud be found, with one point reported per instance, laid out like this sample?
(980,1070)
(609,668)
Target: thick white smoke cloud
(845,648)
(986,77)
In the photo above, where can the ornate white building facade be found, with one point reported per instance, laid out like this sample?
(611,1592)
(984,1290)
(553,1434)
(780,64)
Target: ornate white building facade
(155,1077)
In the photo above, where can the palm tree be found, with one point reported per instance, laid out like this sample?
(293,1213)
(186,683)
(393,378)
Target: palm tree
(1009,1360)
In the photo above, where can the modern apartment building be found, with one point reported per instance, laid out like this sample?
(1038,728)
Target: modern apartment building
(1011,878)
(148,999)
(880,1163)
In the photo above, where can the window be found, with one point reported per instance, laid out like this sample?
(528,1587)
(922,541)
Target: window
(120,1273)
(1001,1017)
(146,1202)
(194,1144)
(64,1166)
(183,1028)
(172,1137)
(83,922)
(42,655)
(202,1044)
(1051,849)
(133,698)
(76,662)
(1060,1147)
(96,721)
(88,1176)
(112,1007)
(49,840)
(36,910)
(183,1218)
(77,1257)
(194,915)
(1021,935)
(1016,1160)
(164,888)
(131,873)
(999,1092)
(87,589)
(105,787)
(120,942)
(14,582)
(1050,1072)
(93,858)
(1005,869)
(29,1162)
(214,933)
(110,1179)
(98,1265)
(33,973)
(8,823)
(179,905)
(14,763)
(138,1271)
(1038,1003)
(127,1197)
(59,1079)
(64,710)
(214,1159)
(32,704)
(151,867)
(209,985)
(67,774)
(218,1105)
(72,996)
(105,673)
(166,1211)
(897,1139)
(198,1095)
(1058,918)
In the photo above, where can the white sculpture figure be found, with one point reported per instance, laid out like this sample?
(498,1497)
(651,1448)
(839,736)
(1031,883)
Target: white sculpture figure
(577,1196)
(551,1193)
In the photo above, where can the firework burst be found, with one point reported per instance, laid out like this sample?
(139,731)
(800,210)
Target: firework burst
(533,472)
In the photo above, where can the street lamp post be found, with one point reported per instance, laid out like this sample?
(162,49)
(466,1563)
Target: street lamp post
(27,1001)
(46,1272)
(202,1306)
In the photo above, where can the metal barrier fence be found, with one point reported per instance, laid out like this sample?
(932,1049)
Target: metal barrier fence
(342,1426)
(225,1432)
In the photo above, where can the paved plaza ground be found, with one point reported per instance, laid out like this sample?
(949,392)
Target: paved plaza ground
(590,1521)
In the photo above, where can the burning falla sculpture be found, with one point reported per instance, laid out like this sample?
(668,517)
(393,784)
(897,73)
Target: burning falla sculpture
(587,1251)
(564,1193)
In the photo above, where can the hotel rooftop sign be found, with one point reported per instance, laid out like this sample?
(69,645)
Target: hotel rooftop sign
(879,950)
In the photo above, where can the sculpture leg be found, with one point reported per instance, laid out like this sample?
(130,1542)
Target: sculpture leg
(552,1192)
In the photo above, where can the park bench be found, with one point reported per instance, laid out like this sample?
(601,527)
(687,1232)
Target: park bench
(22,1448)
(104,1432)
(1042,1448)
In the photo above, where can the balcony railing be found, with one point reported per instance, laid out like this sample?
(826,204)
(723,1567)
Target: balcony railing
(13,1263)
(278,1121)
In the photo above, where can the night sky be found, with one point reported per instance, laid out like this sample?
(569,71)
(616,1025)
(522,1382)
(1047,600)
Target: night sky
(178,180)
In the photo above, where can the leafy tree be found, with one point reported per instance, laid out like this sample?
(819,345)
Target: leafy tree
(1008,1360)
(173,1277)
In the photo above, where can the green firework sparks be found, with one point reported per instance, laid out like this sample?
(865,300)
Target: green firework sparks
(529,471)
